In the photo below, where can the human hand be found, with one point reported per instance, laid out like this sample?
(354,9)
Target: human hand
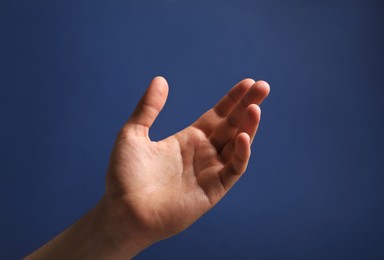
(161,188)
(157,189)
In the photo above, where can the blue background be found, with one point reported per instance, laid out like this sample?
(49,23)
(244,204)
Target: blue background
(72,71)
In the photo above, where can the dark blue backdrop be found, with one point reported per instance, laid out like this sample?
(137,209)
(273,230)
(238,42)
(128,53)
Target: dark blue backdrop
(72,71)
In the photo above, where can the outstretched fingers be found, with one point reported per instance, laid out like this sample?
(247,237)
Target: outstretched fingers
(229,101)
(209,120)
(148,108)
(226,130)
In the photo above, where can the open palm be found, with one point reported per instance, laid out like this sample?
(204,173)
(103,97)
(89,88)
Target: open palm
(163,187)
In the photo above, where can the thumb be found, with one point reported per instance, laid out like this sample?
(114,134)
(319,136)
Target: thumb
(149,107)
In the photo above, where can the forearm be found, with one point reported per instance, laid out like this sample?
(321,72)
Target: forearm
(100,234)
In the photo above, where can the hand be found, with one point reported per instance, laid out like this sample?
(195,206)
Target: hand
(157,189)
(161,188)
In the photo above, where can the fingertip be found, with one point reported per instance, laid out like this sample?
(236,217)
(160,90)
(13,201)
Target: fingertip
(253,114)
(247,81)
(244,85)
(254,109)
(160,78)
(243,138)
(263,86)
(242,147)
(161,85)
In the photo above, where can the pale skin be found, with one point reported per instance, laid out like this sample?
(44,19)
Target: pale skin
(155,190)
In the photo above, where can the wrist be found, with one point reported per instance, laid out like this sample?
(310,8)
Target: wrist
(100,234)
(118,233)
